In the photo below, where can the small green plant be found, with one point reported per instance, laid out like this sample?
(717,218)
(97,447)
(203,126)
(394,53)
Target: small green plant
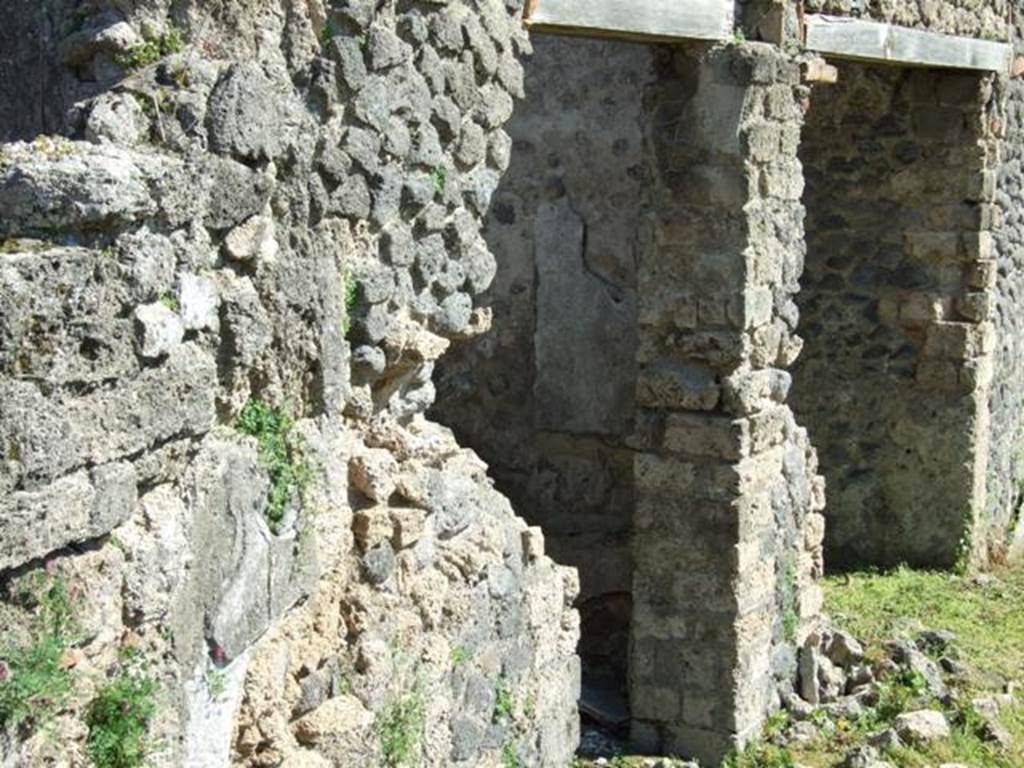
(280,452)
(896,696)
(504,705)
(350,297)
(151,51)
(459,656)
(170,301)
(327,34)
(440,177)
(399,728)
(216,682)
(363,41)
(118,719)
(34,682)
(509,758)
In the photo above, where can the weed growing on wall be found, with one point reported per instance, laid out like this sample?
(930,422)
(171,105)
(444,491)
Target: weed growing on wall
(440,178)
(350,297)
(151,51)
(459,656)
(504,705)
(34,682)
(281,454)
(118,718)
(509,758)
(400,728)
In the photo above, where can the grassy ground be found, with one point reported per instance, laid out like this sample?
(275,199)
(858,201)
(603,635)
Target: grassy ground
(987,615)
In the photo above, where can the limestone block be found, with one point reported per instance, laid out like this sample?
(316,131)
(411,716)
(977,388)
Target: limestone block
(159,329)
(78,185)
(341,715)
(372,526)
(199,302)
(76,508)
(117,119)
(706,435)
(958,341)
(933,246)
(454,498)
(253,239)
(409,526)
(372,472)
(667,384)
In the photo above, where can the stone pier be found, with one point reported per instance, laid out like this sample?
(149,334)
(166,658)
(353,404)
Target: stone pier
(727,530)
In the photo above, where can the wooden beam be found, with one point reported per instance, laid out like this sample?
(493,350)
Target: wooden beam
(653,20)
(859,40)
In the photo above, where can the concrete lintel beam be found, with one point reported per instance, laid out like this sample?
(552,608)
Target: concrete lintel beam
(650,20)
(873,41)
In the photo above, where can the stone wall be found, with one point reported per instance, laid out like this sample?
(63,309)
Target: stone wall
(895,305)
(221,298)
(547,396)
(1006,460)
(727,535)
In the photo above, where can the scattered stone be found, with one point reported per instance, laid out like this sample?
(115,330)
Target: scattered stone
(844,650)
(922,726)
(886,740)
(935,641)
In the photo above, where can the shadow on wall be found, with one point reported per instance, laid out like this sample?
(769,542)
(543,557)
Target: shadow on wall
(893,318)
(546,397)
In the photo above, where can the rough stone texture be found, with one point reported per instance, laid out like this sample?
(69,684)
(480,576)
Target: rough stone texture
(895,303)
(1005,525)
(547,395)
(724,467)
(196,251)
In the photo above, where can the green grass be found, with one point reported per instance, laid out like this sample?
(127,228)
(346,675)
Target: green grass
(280,452)
(400,728)
(987,616)
(34,684)
(118,720)
(988,620)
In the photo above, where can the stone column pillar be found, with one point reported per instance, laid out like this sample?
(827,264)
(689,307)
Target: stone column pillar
(727,536)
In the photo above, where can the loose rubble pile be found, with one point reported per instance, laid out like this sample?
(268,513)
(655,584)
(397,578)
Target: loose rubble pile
(908,693)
